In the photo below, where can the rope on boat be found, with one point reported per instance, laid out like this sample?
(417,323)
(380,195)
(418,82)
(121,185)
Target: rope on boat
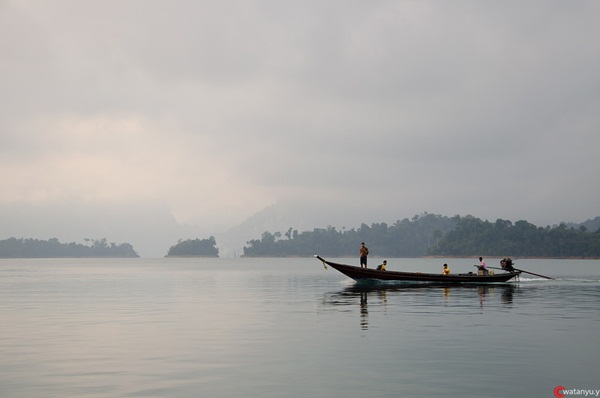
(322,260)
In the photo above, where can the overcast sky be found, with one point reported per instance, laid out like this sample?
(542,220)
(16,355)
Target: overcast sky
(222,108)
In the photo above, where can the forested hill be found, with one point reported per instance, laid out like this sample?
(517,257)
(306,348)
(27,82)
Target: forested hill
(405,238)
(431,234)
(52,248)
(472,236)
(194,248)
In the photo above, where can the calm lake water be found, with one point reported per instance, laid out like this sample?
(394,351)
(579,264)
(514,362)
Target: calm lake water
(290,328)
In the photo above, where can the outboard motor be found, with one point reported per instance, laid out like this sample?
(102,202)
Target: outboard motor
(507,264)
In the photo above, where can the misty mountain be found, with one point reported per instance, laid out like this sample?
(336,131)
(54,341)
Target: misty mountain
(150,229)
(280,217)
(591,224)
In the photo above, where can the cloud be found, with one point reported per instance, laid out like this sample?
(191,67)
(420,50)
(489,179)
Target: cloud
(220,109)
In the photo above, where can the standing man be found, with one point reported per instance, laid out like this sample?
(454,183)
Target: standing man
(364,252)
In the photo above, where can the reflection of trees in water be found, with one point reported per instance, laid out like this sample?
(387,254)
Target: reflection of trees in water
(360,294)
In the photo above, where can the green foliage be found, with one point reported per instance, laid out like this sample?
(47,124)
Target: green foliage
(195,248)
(473,237)
(52,248)
(430,234)
(406,238)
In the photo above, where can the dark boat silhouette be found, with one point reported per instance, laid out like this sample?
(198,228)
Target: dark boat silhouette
(370,274)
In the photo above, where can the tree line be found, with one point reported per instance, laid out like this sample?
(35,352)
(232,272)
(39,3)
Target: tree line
(52,248)
(195,248)
(430,234)
(405,238)
(423,235)
(472,236)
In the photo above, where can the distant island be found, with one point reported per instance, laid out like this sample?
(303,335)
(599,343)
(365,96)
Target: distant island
(436,235)
(195,248)
(52,248)
(423,235)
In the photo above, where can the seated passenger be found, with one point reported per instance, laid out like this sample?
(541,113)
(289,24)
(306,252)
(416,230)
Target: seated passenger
(482,267)
(381,267)
(446,270)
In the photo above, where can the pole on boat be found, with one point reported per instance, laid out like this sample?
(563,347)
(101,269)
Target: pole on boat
(322,260)
(522,270)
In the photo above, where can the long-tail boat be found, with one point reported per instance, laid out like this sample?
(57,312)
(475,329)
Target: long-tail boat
(370,274)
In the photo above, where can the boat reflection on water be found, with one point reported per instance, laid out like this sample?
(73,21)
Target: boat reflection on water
(421,297)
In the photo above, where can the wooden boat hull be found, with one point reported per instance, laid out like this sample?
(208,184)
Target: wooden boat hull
(370,274)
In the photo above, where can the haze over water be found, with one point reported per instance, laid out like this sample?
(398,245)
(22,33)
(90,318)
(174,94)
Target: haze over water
(287,327)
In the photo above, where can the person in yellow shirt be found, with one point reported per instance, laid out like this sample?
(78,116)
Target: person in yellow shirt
(381,267)
(446,270)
